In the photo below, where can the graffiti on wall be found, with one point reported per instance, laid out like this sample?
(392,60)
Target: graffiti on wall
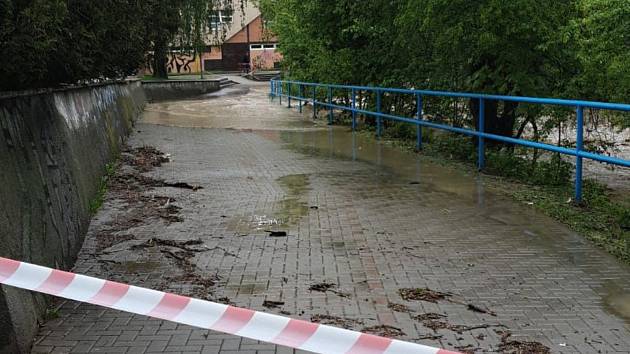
(177,63)
(180,63)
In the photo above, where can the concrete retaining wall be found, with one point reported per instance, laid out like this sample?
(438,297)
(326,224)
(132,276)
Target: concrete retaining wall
(177,89)
(54,147)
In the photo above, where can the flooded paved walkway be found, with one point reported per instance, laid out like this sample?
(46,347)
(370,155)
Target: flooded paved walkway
(364,218)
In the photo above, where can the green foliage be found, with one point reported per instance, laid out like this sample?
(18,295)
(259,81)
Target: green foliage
(97,202)
(340,41)
(50,42)
(552,172)
(51,313)
(566,48)
(603,34)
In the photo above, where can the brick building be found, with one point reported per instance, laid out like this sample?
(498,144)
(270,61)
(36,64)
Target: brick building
(237,40)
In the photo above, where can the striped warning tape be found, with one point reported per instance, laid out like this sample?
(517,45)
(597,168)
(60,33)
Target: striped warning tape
(204,314)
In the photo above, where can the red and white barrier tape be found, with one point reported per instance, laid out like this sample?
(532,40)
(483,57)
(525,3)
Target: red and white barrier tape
(204,314)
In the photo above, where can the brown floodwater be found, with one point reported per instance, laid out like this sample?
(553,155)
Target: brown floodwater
(234,107)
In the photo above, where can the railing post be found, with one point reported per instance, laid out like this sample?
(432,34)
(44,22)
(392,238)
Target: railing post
(354,114)
(330,108)
(579,145)
(289,94)
(281,91)
(300,95)
(378,110)
(314,102)
(271,89)
(481,151)
(419,117)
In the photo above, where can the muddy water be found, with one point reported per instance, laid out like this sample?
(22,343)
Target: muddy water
(339,142)
(234,107)
(617,300)
(248,108)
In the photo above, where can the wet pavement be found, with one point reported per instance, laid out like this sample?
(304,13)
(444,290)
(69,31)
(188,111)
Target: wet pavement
(377,239)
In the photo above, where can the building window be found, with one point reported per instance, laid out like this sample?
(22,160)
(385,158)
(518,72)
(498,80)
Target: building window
(220,18)
(262,46)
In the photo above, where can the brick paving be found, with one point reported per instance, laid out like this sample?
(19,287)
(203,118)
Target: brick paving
(356,222)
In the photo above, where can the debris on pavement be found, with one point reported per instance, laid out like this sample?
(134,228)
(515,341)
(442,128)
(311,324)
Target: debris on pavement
(426,294)
(336,321)
(430,337)
(145,158)
(224,300)
(183,185)
(384,331)
(276,233)
(423,294)
(513,346)
(398,307)
(325,287)
(322,287)
(183,245)
(428,316)
(467,349)
(270,304)
(435,321)
(196,286)
(476,308)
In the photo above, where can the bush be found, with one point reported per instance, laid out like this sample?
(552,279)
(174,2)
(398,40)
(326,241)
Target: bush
(552,172)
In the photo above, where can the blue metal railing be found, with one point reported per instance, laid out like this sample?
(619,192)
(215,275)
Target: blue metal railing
(277,90)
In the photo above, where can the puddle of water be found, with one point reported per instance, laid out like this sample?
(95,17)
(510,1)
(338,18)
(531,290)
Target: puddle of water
(284,214)
(407,167)
(617,301)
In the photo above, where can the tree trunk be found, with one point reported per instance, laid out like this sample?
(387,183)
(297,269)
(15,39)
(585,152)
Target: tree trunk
(494,123)
(201,62)
(160,60)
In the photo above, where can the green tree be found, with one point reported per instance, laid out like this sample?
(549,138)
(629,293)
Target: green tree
(518,47)
(51,42)
(490,46)
(162,20)
(603,34)
(29,32)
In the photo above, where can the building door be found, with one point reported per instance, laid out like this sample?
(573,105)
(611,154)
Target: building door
(234,54)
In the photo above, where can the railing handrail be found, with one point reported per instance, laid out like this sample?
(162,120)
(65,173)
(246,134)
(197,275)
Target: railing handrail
(522,99)
(578,151)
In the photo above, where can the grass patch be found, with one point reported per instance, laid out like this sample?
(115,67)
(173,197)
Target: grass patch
(97,202)
(51,313)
